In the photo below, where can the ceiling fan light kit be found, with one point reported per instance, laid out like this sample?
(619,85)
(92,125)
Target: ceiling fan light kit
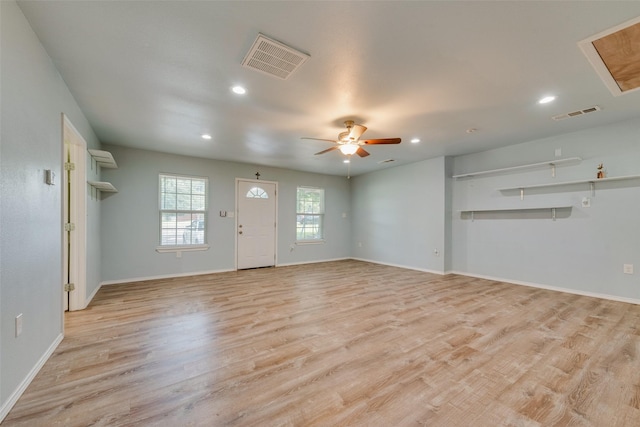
(349,142)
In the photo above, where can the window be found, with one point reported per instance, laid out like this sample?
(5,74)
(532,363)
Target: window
(257,193)
(310,214)
(183,210)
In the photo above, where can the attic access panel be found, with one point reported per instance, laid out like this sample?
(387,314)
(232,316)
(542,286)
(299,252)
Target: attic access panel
(615,55)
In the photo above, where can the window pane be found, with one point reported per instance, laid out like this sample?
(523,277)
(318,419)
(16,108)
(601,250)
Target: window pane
(184,186)
(183,205)
(198,203)
(310,210)
(184,202)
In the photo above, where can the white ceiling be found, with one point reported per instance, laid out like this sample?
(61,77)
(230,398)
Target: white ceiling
(157,74)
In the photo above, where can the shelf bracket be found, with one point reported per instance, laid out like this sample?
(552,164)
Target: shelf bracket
(472,216)
(593,189)
(522,194)
(553,170)
(553,214)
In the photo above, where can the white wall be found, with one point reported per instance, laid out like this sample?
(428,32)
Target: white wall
(131,221)
(584,251)
(399,215)
(34,97)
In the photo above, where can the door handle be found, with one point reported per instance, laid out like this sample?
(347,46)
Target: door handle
(240,232)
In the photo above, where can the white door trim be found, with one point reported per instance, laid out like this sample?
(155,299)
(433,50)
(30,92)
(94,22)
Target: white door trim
(275,239)
(78,211)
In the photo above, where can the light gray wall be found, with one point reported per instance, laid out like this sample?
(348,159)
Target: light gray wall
(399,215)
(584,251)
(130,217)
(33,98)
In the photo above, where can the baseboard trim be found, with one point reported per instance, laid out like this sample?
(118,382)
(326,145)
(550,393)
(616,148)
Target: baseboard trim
(408,267)
(288,264)
(551,288)
(164,276)
(11,401)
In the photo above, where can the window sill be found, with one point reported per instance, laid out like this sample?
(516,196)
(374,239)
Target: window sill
(310,242)
(190,248)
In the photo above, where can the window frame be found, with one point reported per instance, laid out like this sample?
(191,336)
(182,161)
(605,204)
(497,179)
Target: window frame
(320,215)
(203,212)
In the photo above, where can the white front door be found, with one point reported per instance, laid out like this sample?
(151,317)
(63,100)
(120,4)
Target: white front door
(256,223)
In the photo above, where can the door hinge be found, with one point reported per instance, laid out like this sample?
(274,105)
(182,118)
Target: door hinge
(69,226)
(68,287)
(69,166)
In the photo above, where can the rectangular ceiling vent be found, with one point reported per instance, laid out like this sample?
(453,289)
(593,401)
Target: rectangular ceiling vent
(576,113)
(271,57)
(386,161)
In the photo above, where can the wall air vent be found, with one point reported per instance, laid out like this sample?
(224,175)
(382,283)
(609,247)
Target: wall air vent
(576,113)
(271,57)
(615,55)
(386,161)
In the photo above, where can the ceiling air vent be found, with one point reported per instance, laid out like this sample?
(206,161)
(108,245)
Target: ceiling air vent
(576,113)
(386,161)
(270,57)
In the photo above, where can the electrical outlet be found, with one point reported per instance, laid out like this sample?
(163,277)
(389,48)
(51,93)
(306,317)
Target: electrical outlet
(18,325)
(436,252)
(558,152)
(586,202)
(359,244)
(627,268)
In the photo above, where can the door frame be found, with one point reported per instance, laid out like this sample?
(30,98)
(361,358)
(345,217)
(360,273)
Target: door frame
(78,211)
(275,238)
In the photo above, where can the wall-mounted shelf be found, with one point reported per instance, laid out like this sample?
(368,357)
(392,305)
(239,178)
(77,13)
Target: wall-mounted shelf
(471,212)
(103,158)
(107,187)
(591,183)
(550,163)
(100,186)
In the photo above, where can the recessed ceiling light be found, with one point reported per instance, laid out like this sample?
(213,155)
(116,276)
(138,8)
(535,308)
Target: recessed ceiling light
(471,130)
(239,90)
(206,136)
(546,99)
(346,161)
(415,140)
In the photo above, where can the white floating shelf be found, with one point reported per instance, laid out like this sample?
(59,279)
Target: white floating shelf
(539,208)
(591,183)
(582,181)
(103,158)
(551,163)
(552,209)
(106,187)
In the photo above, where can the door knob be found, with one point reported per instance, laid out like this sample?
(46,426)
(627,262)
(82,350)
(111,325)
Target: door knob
(240,232)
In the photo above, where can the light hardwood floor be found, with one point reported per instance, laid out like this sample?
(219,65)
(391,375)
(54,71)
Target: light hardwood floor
(343,343)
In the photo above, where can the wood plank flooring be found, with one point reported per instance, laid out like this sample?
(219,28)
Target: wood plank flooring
(343,343)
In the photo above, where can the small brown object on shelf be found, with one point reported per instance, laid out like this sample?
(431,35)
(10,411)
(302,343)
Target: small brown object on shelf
(601,172)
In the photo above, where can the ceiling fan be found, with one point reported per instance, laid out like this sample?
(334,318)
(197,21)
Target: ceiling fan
(349,142)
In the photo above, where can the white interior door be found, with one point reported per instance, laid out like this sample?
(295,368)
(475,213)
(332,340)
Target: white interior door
(74,214)
(256,223)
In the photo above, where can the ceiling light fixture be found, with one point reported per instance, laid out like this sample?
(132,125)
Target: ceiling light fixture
(348,149)
(239,90)
(206,136)
(415,140)
(546,99)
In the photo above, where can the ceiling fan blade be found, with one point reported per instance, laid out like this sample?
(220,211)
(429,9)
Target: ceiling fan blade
(335,147)
(382,141)
(362,152)
(356,132)
(319,139)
